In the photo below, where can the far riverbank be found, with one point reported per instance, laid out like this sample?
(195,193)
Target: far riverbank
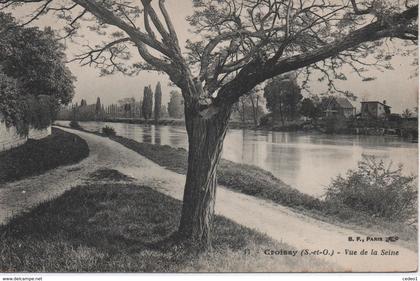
(407,129)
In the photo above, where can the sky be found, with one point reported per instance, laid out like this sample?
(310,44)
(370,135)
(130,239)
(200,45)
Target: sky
(395,86)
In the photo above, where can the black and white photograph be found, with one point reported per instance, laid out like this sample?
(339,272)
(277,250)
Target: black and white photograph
(208,136)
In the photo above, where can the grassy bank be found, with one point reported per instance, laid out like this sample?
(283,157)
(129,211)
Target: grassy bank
(125,228)
(257,182)
(38,156)
(244,178)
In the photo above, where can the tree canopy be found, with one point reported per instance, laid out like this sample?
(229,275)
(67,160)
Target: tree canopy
(33,75)
(175,105)
(158,102)
(98,106)
(10,102)
(147,105)
(240,43)
(283,96)
(310,109)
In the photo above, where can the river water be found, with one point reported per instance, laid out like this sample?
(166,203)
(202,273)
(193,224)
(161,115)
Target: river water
(305,161)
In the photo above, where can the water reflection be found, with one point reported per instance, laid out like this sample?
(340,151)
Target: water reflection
(177,137)
(157,135)
(147,134)
(305,161)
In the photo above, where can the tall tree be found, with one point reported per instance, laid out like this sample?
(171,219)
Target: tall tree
(309,109)
(407,113)
(158,102)
(164,111)
(36,58)
(10,102)
(147,105)
(240,44)
(98,107)
(34,79)
(249,108)
(127,106)
(283,95)
(241,108)
(175,108)
(255,102)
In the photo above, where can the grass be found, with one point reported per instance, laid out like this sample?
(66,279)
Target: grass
(110,175)
(121,228)
(246,179)
(257,182)
(38,156)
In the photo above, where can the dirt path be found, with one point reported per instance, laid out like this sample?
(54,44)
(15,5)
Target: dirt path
(278,222)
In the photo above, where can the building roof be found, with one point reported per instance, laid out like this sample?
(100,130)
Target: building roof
(343,102)
(376,102)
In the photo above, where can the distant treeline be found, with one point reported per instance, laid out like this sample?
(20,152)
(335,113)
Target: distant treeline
(149,107)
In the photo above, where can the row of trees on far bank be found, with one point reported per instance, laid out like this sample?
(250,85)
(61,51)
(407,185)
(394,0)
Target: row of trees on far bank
(279,102)
(147,107)
(284,101)
(281,96)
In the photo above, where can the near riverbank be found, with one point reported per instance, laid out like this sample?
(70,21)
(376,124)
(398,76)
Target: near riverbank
(124,227)
(280,223)
(37,156)
(251,180)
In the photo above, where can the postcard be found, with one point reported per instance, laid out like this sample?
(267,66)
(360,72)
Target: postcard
(208,136)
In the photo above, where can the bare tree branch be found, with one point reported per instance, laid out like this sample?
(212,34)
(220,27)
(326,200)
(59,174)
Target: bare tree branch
(40,11)
(356,9)
(254,73)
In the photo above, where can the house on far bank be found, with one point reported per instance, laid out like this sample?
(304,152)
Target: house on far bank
(338,107)
(375,110)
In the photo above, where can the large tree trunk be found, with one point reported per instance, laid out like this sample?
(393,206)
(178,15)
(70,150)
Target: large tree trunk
(205,137)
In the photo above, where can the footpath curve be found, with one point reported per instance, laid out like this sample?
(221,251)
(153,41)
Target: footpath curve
(278,222)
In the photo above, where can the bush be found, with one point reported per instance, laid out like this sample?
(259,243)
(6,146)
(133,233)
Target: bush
(377,189)
(74,124)
(108,131)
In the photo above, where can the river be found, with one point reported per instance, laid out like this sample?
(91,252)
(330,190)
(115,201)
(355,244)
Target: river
(306,161)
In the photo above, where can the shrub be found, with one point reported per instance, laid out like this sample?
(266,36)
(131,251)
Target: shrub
(74,124)
(108,131)
(377,189)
